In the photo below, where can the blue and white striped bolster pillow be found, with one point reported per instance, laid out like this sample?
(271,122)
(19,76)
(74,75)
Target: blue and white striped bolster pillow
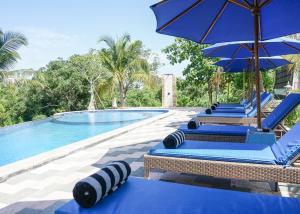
(172,141)
(94,188)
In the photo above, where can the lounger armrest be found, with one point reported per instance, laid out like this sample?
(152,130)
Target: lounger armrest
(228,120)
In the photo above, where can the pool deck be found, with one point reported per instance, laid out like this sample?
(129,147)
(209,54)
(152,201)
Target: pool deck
(43,189)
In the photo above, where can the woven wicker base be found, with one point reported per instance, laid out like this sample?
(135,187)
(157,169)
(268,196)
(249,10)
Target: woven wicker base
(244,171)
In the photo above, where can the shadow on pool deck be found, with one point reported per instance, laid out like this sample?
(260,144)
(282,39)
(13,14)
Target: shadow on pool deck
(33,207)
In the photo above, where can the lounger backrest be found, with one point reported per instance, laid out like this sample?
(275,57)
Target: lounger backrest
(265,99)
(247,103)
(281,111)
(288,147)
(263,95)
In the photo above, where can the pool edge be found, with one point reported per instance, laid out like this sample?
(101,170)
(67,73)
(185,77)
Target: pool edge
(22,166)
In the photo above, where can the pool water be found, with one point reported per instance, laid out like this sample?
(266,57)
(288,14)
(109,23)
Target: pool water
(17,143)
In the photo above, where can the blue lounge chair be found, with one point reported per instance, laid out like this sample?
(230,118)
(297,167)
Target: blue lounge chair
(243,110)
(249,161)
(140,196)
(238,133)
(265,99)
(243,104)
(233,118)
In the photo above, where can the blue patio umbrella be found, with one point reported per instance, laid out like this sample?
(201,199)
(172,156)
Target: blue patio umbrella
(244,49)
(215,21)
(247,64)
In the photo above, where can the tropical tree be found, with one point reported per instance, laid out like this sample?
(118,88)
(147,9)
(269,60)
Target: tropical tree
(126,60)
(89,65)
(10,42)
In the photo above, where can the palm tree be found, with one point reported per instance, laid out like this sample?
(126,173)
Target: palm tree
(126,60)
(10,42)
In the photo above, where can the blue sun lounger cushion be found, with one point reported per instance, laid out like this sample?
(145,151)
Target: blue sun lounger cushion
(94,188)
(174,140)
(193,124)
(141,196)
(228,130)
(288,147)
(219,151)
(281,111)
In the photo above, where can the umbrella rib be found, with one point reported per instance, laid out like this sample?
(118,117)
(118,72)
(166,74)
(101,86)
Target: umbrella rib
(248,3)
(290,46)
(181,14)
(214,50)
(247,47)
(247,6)
(271,62)
(228,64)
(265,50)
(233,56)
(264,3)
(215,20)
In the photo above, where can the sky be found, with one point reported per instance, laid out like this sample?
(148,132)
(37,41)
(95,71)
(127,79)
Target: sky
(61,28)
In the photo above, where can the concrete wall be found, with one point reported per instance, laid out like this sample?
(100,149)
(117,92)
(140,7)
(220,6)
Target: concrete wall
(168,91)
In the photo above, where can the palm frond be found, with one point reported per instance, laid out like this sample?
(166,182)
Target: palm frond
(10,42)
(108,40)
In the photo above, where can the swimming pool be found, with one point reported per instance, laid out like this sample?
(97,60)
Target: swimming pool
(29,139)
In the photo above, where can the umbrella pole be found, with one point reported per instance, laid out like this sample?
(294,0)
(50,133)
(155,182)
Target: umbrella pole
(257,71)
(252,80)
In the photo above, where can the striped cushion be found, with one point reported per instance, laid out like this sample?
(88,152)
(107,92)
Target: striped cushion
(92,189)
(193,124)
(208,111)
(172,141)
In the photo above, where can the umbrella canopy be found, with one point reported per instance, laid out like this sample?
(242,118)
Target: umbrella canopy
(247,64)
(215,21)
(244,49)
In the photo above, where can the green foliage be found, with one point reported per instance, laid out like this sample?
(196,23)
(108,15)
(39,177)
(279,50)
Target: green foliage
(143,97)
(293,117)
(199,72)
(39,117)
(12,106)
(59,87)
(200,69)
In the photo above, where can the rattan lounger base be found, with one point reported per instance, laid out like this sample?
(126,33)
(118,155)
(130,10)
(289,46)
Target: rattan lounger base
(243,171)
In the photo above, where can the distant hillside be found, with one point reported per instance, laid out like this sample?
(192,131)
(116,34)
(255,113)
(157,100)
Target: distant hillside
(24,72)
(16,75)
